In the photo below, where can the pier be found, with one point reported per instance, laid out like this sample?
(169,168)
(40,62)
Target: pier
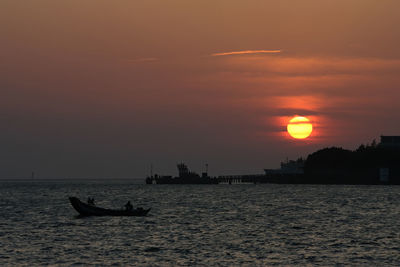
(241,179)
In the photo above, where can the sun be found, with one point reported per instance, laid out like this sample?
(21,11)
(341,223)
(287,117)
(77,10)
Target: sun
(299,127)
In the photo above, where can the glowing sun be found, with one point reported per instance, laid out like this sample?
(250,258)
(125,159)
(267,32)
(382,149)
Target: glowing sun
(299,127)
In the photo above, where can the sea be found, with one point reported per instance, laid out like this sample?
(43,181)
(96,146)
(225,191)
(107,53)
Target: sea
(199,225)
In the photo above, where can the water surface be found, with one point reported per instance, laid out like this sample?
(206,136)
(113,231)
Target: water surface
(223,225)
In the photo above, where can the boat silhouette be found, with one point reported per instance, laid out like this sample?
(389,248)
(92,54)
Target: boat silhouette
(185,177)
(85,209)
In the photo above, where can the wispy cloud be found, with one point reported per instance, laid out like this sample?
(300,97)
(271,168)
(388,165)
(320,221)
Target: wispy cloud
(245,52)
(145,59)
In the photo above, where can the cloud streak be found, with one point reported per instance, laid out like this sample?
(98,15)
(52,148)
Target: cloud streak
(245,52)
(145,59)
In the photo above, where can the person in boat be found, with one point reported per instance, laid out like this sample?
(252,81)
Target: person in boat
(90,201)
(128,206)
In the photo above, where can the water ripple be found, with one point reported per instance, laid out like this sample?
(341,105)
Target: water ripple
(249,225)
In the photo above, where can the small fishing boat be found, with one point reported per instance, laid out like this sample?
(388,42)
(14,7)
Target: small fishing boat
(85,209)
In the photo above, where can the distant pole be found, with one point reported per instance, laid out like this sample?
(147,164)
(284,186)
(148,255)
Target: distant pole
(33,175)
(151,170)
(206,167)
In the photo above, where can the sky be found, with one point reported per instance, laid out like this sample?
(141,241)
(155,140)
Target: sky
(100,88)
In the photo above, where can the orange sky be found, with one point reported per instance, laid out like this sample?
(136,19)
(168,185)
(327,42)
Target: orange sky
(102,88)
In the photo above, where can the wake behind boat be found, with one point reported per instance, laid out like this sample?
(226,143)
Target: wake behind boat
(85,209)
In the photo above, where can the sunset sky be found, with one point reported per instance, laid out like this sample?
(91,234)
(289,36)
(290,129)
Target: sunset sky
(100,88)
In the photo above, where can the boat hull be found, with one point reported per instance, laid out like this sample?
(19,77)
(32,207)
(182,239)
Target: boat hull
(90,210)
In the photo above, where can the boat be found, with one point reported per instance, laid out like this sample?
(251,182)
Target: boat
(85,209)
(185,177)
